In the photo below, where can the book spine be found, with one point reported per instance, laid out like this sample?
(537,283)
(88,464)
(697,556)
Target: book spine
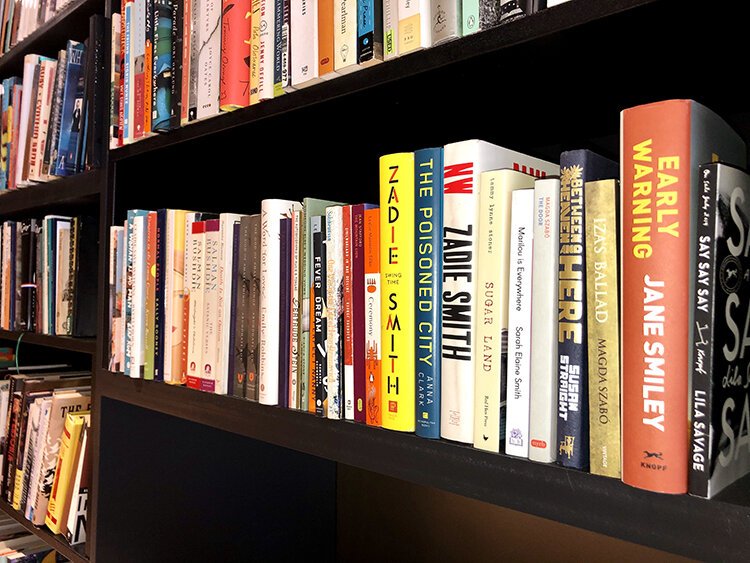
(31,163)
(138,73)
(278,26)
(428,245)
(543,392)
(175,296)
(295,313)
(209,59)
(234,316)
(252,381)
(446,20)
(160,295)
(130,243)
(390,29)
(115,296)
(163,70)
(272,211)
(414,29)
(286,48)
(234,90)
(255,23)
(210,340)
(572,405)
(334,271)
(73,111)
(345,35)
(195,48)
(186,72)
(358,315)
(285,262)
(150,311)
(225,304)
(397,275)
(53,135)
(122,110)
(519,324)
(369,32)
(601,199)
(304,25)
(57,507)
(319,331)
(140,274)
(115,68)
(149,57)
(348,298)
(195,264)
(326,55)
(241,328)
(266,50)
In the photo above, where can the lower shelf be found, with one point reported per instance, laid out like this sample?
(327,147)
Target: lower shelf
(679,524)
(82,345)
(55,541)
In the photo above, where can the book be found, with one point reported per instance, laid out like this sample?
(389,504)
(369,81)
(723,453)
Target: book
(295,313)
(74,528)
(345,16)
(369,32)
(234,89)
(210,320)
(286,389)
(428,246)
(162,74)
(114,79)
(209,58)
(373,343)
(272,211)
(464,162)
(72,111)
(252,326)
(266,51)
(390,29)
(397,311)
(225,304)
(304,43)
(720,452)
(194,265)
(600,203)
(174,294)
(150,296)
(662,145)
(576,168)
(318,311)
(543,391)
(334,272)
(414,25)
(446,24)
(116,249)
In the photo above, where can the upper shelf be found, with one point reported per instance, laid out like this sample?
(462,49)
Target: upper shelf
(706,530)
(36,199)
(72,23)
(531,30)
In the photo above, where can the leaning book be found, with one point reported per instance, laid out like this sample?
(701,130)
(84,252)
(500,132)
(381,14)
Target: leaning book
(720,448)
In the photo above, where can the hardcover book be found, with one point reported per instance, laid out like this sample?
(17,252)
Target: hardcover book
(720,448)
(662,145)
(234,91)
(334,272)
(373,343)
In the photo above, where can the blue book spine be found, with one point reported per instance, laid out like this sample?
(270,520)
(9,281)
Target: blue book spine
(366,21)
(428,246)
(72,111)
(160,301)
(163,76)
(576,168)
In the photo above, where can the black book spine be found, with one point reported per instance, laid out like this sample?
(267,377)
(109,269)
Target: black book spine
(285,248)
(53,136)
(87,261)
(236,313)
(175,102)
(38,279)
(31,290)
(23,310)
(243,282)
(320,327)
(97,94)
(86,79)
(159,297)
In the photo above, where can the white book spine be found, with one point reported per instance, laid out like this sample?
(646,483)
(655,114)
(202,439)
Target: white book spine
(210,343)
(226,284)
(209,58)
(446,20)
(272,211)
(194,269)
(295,311)
(168,292)
(266,60)
(334,269)
(137,360)
(464,161)
(414,25)
(44,107)
(345,36)
(36,467)
(115,310)
(304,43)
(29,64)
(195,45)
(62,276)
(519,323)
(75,532)
(348,312)
(390,29)
(128,98)
(543,391)
(124,266)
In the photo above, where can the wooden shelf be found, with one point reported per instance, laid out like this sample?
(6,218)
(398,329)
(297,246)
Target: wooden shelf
(533,29)
(71,23)
(679,524)
(68,191)
(55,541)
(82,345)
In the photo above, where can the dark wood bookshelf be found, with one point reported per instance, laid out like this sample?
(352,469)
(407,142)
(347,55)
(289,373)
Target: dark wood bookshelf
(47,40)
(68,343)
(60,194)
(55,541)
(679,524)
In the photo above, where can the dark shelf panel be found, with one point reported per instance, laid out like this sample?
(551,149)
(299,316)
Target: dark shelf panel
(706,530)
(82,345)
(540,25)
(67,191)
(55,541)
(72,23)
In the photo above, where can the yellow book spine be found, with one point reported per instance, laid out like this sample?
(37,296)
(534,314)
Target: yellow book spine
(397,283)
(255,53)
(600,204)
(58,506)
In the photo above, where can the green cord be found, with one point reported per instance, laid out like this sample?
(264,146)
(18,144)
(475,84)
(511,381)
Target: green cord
(18,346)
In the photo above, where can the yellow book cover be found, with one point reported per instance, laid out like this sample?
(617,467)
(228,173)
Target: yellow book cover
(174,286)
(397,287)
(493,267)
(600,205)
(255,53)
(57,509)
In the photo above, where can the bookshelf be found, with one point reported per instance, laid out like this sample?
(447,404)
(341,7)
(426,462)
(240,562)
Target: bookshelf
(530,85)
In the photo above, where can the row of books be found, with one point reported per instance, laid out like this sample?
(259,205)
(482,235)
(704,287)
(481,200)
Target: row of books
(49,125)
(48,275)
(19,545)
(177,61)
(19,19)
(44,420)
(523,306)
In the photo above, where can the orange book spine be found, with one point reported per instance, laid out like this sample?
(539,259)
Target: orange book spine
(373,391)
(234,87)
(187,15)
(655,295)
(325,37)
(148,79)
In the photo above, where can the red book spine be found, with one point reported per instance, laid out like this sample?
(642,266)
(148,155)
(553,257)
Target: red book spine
(234,89)
(348,314)
(655,296)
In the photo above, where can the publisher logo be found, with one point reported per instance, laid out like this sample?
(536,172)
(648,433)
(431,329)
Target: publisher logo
(516,437)
(392,406)
(651,461)
(730,274)
(538,444)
